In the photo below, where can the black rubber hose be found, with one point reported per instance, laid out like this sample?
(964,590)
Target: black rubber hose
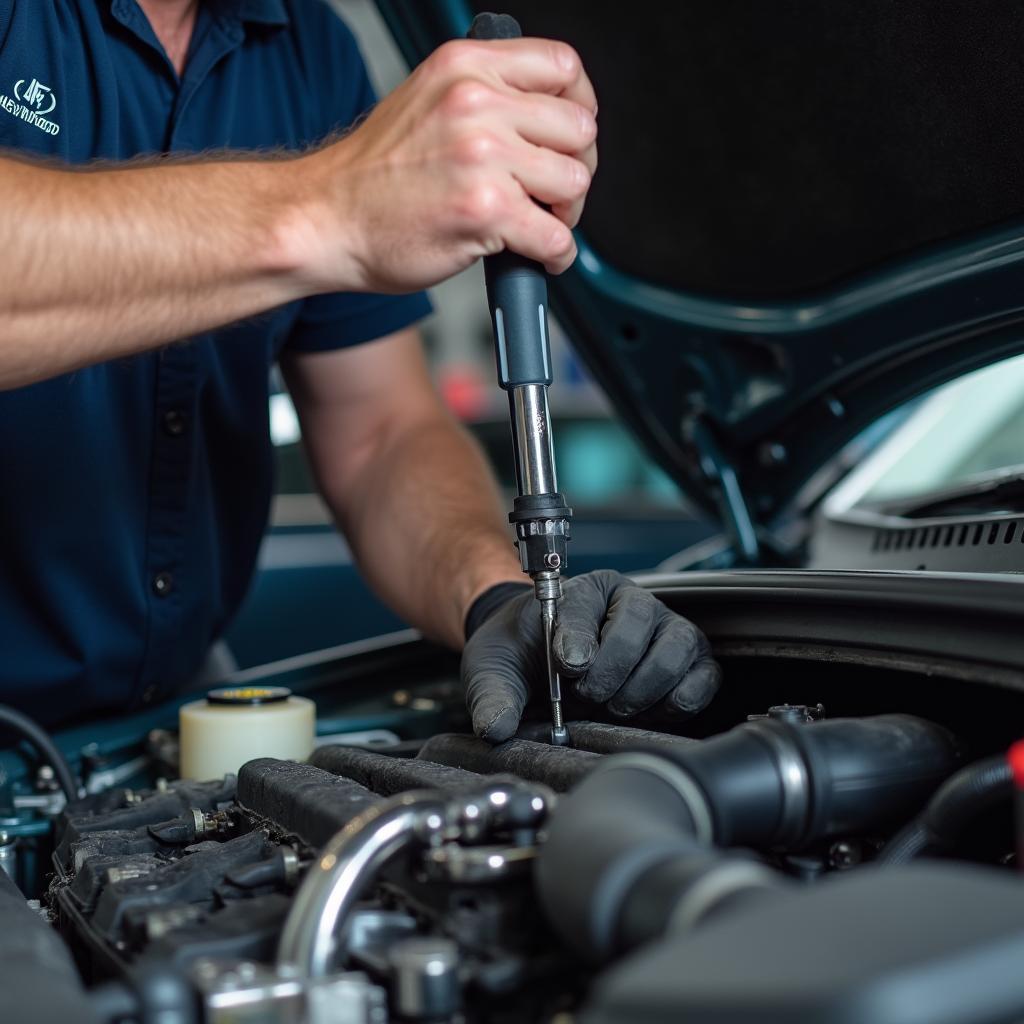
(621,855)
(957,802)
(604,738)
(558,767)
(389,775)
(309,802)
(630,852)
(22,724)
(908,844)
(781,786)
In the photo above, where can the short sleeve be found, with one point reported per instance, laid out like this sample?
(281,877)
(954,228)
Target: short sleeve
(344,319)
(340,320)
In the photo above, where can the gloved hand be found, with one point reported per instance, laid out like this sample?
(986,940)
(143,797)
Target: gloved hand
(623,647)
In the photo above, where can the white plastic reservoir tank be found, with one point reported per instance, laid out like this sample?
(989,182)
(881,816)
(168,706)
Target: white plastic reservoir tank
(232,725)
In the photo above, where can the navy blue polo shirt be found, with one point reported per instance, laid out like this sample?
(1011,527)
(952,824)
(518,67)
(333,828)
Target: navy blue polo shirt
(134,494)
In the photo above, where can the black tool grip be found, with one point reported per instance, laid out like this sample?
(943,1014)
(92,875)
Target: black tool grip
(494,26)
(517,291)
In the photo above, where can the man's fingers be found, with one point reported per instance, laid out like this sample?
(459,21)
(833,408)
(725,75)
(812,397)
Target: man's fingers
(698,688)
(550,177)
(532,65)
(570,213)
(581,614)
(665,663)
(626,634)
(552,122)
(557,162)
(496,705)
(536,88)
(581,90)
(562,126)
(539,235)
(556,121)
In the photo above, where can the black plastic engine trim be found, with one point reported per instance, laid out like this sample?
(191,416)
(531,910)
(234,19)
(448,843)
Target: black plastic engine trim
(965,625)
(928,942)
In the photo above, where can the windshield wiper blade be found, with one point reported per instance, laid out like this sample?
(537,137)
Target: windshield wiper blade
(989,496)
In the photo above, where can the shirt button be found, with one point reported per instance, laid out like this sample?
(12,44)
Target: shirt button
(174,423)
(163,584)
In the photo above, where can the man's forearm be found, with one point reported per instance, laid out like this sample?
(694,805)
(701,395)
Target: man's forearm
(104,263)
(427,527)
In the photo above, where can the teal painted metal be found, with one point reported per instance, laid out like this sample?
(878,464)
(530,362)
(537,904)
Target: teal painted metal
(345,681)
(802,377)
(28,828)
(417,33)
(927,272)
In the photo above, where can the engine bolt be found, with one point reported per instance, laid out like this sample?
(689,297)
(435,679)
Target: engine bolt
(845,855)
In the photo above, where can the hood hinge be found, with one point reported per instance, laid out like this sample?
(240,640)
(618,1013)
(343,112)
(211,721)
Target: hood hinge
(732,505)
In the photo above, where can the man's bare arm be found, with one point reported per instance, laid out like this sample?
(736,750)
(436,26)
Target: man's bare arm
(408,486)
(105,262)
(100,264)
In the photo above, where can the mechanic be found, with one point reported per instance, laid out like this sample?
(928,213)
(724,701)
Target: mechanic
(181,169)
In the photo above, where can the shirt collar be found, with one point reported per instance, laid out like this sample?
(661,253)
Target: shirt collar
(267,12)
(263,12)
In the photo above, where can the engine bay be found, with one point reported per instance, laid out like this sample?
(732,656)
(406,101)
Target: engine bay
(849,854)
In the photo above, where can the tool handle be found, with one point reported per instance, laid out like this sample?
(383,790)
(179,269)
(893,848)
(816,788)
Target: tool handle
(494,26)
(517,291)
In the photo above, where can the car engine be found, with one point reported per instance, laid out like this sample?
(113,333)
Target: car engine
(636,875)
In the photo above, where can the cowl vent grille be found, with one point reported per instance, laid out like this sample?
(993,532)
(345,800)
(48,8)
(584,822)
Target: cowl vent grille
(953,535)
(976,545)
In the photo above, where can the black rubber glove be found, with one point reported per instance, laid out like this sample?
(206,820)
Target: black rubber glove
(623,647)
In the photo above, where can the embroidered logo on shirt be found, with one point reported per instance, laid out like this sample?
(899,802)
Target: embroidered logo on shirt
(32,102)
(39,96)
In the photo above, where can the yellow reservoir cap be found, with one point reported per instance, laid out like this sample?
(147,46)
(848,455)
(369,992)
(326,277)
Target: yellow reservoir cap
(232,725)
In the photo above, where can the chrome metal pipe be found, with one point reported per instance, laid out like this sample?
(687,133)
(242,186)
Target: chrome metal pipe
(531,425)
(338,878)
(349,863)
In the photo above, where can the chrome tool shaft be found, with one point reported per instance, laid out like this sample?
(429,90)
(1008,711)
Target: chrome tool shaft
(549,591)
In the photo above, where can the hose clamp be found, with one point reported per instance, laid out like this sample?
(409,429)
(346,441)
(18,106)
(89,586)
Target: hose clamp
(793,778)
(689,792)
(718,884)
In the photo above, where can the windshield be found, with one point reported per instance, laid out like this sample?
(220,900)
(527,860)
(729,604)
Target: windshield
(964,430)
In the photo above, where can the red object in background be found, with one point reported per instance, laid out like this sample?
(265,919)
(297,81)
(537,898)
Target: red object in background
(1016,758)
(464,390)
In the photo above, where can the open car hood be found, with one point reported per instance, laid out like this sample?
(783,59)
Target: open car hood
(805,215)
